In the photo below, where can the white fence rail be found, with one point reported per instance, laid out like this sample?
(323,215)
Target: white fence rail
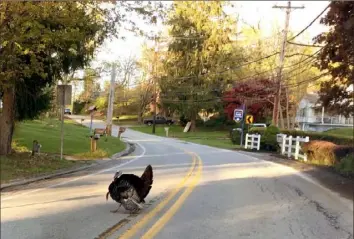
(253,141)
(290,145)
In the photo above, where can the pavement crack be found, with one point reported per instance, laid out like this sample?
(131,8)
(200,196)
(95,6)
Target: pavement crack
(291,228)
(332,219)
(299,192)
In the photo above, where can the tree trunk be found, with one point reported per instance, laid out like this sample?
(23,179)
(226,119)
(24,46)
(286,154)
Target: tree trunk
(287,109)
(140,117)
(193,123)
(281,116)
(7,121)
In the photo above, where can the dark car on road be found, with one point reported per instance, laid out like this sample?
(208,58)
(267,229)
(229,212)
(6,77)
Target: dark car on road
(159,120)
(67,112)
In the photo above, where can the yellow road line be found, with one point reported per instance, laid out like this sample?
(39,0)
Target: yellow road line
(136,227)
(113,229)
(177,205)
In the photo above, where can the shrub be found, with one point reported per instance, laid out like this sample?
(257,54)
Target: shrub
(235,136)
(269,138)
(326,153)
(346,165)
(257,130)
(216,122)
(320,152)
(340,140)
(79,107)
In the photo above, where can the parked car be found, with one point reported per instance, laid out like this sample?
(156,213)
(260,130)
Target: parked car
(159,120)
(260,125)
(67,112)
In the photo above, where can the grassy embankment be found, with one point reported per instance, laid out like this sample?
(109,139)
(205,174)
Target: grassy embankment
(47,132)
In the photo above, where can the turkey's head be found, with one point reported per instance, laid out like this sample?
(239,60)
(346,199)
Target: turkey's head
(117,174)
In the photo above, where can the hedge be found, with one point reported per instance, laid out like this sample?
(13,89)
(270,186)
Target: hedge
(269,137)
(340,140)
(329,154)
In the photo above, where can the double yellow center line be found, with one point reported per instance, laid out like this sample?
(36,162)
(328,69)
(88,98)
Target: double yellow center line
(197,163)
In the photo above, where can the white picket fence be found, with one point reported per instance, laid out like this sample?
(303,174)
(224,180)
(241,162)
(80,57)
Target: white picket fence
(290,146)
(253,141)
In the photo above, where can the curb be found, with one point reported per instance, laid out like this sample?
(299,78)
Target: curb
(128,150)
(130,147)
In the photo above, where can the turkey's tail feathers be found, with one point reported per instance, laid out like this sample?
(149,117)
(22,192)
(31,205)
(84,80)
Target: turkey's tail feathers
(107,196)
(147,177)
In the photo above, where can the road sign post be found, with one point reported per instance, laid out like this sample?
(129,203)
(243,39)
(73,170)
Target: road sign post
(64,98)
(243,122)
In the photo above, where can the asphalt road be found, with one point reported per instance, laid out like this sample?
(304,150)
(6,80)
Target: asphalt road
(198,192)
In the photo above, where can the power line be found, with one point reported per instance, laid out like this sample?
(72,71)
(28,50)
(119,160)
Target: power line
(310,24)
(292,69)
(302,44)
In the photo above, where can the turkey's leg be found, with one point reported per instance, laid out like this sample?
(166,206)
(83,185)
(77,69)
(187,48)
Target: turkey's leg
(114,211)
(136,203)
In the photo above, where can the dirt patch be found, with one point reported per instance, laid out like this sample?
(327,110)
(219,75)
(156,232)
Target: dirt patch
(325,175)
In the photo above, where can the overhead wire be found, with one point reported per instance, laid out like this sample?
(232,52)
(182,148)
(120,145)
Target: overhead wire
(268,56)
(303,30)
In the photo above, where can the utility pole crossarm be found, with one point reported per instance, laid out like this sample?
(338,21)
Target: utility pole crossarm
(286,7)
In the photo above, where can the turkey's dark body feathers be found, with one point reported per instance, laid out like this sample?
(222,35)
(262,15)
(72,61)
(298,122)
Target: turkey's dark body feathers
(130,190)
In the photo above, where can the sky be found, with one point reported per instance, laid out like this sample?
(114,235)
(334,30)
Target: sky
(250,12)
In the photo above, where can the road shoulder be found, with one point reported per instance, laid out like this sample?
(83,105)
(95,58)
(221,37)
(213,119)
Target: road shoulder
(325,176)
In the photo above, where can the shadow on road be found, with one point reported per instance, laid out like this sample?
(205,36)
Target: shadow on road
(226,204)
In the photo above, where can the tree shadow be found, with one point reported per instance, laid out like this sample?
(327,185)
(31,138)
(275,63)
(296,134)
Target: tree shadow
(223,205)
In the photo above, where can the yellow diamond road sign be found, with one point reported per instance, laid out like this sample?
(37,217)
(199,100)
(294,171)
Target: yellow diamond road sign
(249,119)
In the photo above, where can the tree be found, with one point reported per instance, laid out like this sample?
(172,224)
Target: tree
(261,53)
(337,57)
(200,48)
(256,93)
(41,42)
(144,84)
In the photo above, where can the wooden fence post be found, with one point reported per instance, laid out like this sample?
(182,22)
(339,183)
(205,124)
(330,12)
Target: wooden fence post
(258,142)
(252,140)
(283,144)
(246,143)
(290,144)
(297,147)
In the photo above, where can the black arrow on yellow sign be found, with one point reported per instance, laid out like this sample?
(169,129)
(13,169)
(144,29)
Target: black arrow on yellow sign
(249,119)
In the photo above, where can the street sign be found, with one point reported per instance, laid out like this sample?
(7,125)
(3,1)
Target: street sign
(249,119)
(238,115)
(64,91)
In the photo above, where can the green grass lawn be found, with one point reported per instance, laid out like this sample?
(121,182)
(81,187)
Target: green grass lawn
(219,139)
(76,139)
(20,165)
(349,132)
(126,120)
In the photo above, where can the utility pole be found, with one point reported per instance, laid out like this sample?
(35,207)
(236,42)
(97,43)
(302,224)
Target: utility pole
(281,61)
(154,77)
(244,107)
(111,100)
(155,94)
(62,124)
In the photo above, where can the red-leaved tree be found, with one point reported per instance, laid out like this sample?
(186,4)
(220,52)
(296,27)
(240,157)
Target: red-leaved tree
(258,94)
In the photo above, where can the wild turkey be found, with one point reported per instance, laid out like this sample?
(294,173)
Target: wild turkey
(130,190)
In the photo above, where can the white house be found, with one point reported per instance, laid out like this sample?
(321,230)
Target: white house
(309,119)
